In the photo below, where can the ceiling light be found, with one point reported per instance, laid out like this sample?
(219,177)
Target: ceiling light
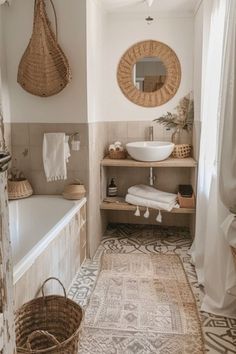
(149,20)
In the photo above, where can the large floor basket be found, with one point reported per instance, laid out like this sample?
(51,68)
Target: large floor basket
(48,325)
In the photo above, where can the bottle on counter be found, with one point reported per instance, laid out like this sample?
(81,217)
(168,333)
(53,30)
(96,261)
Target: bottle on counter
(112,189)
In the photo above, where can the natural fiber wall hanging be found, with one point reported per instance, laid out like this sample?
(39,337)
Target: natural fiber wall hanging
(44,69)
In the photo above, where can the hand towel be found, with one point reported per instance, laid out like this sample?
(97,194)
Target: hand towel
(151,193)
(131,199)
(55,155)
(67,148)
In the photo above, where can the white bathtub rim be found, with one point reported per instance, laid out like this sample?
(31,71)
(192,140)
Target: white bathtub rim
(29,259)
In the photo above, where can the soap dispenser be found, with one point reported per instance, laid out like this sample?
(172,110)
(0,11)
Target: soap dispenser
(112,189)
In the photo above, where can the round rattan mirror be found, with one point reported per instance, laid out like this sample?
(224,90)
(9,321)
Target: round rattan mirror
(149,73)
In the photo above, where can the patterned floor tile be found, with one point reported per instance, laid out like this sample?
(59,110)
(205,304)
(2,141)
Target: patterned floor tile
(219,332)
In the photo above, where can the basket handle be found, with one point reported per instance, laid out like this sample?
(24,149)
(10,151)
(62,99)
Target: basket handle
(35,334)
(53,278)
(54,12)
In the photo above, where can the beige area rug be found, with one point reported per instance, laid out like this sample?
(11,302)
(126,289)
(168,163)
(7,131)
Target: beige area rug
(141,303)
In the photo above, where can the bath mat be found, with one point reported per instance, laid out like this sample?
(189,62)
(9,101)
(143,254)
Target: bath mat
(141,304)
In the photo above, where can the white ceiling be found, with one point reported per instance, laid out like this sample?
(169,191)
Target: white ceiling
(161,6)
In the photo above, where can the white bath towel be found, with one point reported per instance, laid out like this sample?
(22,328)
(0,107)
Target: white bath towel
(131,199)
(55,155)
(151,193)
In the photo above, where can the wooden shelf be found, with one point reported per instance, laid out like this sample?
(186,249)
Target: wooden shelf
(170,162)
(123,206)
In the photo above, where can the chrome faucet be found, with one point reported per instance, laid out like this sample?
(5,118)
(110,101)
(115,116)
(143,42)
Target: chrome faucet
(150,133)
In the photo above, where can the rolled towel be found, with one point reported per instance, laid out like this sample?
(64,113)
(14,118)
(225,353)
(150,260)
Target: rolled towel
(117,143)
(151,193)
(131,199)
(112,147)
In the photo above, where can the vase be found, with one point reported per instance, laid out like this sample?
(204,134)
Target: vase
(181,136)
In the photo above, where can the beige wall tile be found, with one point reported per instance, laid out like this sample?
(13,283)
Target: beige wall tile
(32,164)
(21,157)
(117,131)
(135,130)
(36,158)
(78,160)
(36,131)
(20,134)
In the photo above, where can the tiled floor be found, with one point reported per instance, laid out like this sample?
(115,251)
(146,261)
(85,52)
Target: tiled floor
(220,332)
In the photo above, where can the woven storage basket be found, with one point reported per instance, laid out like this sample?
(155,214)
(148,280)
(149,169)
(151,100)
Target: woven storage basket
(48,325)
(74,192)
(44,69)
(19,189)
(186,202)
(118,155)
(181,151)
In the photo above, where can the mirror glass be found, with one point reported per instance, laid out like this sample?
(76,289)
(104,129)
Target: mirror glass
(149,74)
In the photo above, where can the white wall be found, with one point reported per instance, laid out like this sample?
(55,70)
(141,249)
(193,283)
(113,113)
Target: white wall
(96,41)
(123,30)
(70,105)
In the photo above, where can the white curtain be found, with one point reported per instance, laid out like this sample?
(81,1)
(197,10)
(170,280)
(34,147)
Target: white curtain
(211,251)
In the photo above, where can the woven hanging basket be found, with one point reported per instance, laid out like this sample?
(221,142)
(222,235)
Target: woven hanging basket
(44,69)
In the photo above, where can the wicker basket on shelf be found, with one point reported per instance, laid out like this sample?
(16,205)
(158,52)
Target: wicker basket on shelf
(182,151)
(119,155)
(19,189)
(49,325)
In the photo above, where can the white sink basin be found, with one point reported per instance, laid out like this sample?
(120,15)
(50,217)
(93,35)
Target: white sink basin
(150,150)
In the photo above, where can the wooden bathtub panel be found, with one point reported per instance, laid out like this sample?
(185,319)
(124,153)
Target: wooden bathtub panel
(82,254)
(83,216)
(61,259)
(83,235)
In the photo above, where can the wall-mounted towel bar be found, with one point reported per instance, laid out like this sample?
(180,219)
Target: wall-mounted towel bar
(75,141)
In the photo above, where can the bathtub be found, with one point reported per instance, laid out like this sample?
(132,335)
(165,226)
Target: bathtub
(35,224)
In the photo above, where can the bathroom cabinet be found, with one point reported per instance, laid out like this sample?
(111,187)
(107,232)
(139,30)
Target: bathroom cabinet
(171,171)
